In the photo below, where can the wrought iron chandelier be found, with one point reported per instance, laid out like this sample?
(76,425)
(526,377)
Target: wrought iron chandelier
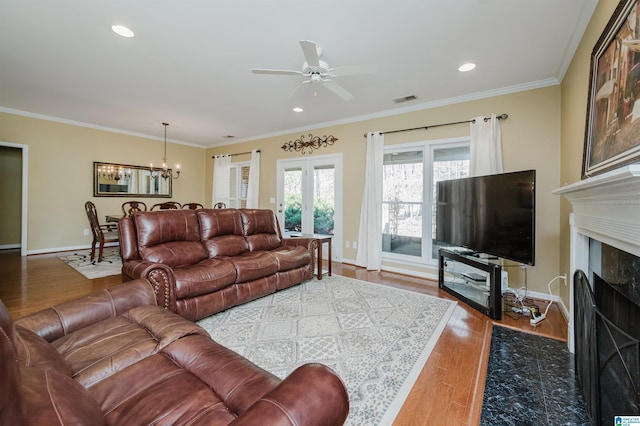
(165,172)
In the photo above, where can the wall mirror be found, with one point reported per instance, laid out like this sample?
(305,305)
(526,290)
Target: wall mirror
(121,180)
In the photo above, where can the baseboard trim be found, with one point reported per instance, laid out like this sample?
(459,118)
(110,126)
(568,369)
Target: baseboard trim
(69,248)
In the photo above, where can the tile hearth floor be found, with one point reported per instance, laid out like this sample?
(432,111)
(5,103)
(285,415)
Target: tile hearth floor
(531,381)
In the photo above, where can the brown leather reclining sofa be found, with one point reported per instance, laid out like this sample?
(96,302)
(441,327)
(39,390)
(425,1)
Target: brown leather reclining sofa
(205,261)
(114,357)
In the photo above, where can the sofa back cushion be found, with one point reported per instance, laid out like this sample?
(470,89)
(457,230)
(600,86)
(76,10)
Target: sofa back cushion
(221,232)
(260,229)
(171,237)
(34,351)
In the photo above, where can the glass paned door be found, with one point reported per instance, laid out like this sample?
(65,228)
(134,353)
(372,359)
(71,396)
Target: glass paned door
(309,194)
(292,206)
(324,199)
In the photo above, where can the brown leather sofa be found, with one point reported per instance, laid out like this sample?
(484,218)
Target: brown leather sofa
(205,261)
(114,357)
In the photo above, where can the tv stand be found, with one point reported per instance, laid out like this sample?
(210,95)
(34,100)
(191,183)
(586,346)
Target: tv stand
(473,278)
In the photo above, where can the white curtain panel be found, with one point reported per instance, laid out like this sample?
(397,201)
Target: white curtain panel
(221,169)
(370,233)
(253,190)
(485,147)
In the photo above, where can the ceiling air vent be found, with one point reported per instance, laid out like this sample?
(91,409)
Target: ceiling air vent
(405,99)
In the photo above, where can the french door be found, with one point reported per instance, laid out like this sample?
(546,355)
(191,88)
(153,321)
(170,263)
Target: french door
(310,197)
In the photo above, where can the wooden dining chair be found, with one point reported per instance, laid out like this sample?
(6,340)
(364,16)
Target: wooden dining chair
(130,207)
(167,205)
(101,233)
(192,206)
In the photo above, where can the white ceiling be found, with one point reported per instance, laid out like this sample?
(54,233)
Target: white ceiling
(190,61)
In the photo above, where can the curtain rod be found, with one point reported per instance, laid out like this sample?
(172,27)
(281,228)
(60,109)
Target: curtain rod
(237,153)
(499,117)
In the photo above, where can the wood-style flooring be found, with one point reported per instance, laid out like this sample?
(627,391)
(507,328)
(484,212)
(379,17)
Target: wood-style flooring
(448,390)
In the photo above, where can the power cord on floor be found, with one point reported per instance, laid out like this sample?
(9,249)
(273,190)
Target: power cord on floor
(536,318)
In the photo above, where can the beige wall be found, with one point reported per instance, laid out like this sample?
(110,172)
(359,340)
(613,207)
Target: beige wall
(60,172)
(575,86)
(531,140)
(10,196)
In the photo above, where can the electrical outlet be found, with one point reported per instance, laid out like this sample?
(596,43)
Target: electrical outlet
(85,232)
(354,245)
(346,244)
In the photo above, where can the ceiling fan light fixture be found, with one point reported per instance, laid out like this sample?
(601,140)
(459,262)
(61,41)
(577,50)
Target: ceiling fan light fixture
(297,109)
(466,67)
(123,31)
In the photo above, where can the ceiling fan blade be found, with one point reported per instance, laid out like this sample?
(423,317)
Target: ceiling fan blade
(278,72)
(354,70)
(337,89)
(311,54)
(298,90)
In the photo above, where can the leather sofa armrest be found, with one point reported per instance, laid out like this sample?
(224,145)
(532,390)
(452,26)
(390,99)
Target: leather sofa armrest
(310,243)
(159,275)
(312,395)
(60,320)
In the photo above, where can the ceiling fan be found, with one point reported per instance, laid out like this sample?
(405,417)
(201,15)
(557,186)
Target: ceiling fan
(318,72)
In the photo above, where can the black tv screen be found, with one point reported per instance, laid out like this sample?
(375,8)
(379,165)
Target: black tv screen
(493,214)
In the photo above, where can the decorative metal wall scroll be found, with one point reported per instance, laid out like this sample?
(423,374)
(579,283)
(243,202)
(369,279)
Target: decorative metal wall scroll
(307,147)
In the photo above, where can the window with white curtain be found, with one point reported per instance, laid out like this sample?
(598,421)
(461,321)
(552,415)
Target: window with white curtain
(238,184)
(410,176)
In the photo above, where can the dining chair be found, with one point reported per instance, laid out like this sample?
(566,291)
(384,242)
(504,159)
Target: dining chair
(167,205)
(192,206)
(130,207)
(101,233)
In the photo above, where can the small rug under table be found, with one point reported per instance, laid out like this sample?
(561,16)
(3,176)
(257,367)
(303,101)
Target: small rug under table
(377,338)
(81,261)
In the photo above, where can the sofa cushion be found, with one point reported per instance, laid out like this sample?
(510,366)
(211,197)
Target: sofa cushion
(220,385)
(221,232)
(34,351)
(204,277)
(253,265)
(102,349)
(51,398)
(171,237)
(260,229)
(291,257)
(175,254)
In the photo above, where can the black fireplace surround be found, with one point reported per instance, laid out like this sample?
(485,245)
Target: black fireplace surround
(607,338)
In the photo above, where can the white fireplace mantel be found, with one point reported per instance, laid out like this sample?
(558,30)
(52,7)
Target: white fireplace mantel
(605,208)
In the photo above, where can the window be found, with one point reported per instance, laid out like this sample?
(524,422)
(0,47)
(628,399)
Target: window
(410,176)
(238,184)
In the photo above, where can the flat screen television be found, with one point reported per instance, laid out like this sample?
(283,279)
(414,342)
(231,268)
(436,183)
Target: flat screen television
(493,214)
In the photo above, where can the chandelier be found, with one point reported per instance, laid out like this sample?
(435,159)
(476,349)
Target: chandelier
(112,172)
(165,172)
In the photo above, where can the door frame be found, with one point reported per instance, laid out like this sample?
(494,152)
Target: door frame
(25,192)
(336,161)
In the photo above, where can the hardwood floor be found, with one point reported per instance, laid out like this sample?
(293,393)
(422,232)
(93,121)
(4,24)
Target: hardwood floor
(449,388)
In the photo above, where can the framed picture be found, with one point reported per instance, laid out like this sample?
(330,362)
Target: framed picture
(612,136)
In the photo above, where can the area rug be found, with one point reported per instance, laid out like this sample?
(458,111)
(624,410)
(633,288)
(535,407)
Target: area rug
(530,381)
(377,338)
(81,261)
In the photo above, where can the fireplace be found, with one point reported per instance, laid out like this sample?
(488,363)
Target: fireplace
(607,327)
(604,317)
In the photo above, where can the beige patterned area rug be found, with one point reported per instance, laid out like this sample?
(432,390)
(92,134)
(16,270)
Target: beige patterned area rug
(377,338)
(81,261)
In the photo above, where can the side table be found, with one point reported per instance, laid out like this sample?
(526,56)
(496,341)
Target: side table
(322,238)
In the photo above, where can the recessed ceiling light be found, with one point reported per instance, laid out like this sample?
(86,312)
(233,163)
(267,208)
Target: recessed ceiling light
(466,67)
(297,109)
(122,31)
